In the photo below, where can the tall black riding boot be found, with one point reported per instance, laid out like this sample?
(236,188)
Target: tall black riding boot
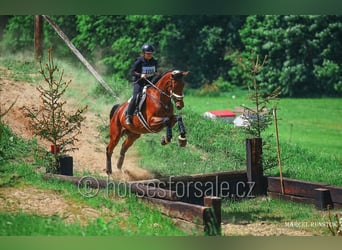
(130,110)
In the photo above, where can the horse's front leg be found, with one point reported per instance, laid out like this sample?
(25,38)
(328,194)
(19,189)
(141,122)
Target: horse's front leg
(167,139)
(181,138)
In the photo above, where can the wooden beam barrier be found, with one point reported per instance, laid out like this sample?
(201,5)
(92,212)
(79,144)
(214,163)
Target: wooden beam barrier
(210,177)
(155,192)
(193,188)
(166,201)
(320,194)
(181,210)
(208,216)
(294,187)
(137,188)
(287,197)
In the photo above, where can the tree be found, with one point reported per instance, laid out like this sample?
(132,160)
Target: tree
(304,52)
(50,121)
(260,118)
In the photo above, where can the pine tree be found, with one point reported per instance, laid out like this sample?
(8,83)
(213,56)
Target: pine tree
(50,121)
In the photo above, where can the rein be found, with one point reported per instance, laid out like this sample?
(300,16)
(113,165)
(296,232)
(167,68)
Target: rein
(160,91)
(177,97)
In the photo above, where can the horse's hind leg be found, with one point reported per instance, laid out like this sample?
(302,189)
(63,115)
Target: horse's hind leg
(114,139)
(130,139)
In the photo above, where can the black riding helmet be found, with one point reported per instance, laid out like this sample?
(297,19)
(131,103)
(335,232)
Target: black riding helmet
(147,48)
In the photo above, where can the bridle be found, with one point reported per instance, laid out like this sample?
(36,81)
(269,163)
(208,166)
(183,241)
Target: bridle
(172,95)
(172,79)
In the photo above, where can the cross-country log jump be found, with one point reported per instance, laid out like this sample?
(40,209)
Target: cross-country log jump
(153,113)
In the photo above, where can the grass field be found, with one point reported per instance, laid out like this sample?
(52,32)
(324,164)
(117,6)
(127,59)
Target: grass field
(315,124)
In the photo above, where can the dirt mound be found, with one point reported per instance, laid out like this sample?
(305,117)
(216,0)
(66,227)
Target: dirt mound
(31,200)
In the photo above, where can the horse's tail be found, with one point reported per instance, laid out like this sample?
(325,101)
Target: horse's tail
(115,107)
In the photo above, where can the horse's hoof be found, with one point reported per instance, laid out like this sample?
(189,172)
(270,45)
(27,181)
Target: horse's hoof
(182,141)
(164,141)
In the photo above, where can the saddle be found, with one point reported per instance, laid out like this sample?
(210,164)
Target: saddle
(140,101)
(138,107)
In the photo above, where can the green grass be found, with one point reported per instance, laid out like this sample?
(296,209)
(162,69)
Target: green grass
(281,213)
(36,225)
(211,147)
(315,124)
(21,68)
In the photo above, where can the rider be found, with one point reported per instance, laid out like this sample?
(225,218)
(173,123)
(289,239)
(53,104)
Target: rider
(145,67)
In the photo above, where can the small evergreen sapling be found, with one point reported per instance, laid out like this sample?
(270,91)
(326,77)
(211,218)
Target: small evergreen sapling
(260,118)
(50,121)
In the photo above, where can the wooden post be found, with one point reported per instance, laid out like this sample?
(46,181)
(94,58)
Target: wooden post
(278,149)
(212,224)
(38,37)
(255,175)
(79,55)
(66,165)
(323,199)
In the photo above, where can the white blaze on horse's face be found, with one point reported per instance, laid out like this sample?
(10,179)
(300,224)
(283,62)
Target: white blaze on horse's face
(177,87)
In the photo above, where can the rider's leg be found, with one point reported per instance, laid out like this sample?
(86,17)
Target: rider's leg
(131,105)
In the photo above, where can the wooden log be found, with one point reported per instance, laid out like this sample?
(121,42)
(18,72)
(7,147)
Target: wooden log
(294,187)
(305,190)
(193,213)
(336,194)
(97,183)
(293,198)
(155,192)
(192,188)
(212,224)
(224,175)
(79,55)
(149,182)
(173,182)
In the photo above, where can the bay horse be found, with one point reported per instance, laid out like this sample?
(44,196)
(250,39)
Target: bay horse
(155,114)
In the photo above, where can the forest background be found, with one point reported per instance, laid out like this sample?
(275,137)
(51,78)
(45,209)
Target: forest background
(304,52)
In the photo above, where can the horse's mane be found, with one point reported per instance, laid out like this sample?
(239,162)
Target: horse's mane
(158,77)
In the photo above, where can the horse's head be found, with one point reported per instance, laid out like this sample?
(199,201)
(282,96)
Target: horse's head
(177,86)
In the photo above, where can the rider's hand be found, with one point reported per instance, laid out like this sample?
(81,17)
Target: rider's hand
(143,76)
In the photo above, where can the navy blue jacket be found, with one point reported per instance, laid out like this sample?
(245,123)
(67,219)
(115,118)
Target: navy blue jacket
(143,66)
